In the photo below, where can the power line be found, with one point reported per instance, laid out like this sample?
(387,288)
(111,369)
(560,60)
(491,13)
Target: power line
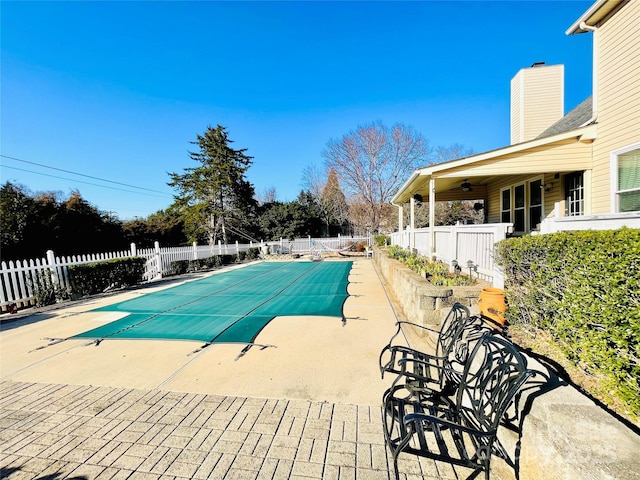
(87,183)
(79,174)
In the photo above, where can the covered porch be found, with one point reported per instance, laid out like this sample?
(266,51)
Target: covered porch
(520,188)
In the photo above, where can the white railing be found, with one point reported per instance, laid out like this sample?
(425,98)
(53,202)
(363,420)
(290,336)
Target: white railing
(20,280)
(475,243)
(469,245)
(589,222)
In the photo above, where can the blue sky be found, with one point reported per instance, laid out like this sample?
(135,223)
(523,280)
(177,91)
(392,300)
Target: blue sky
(117,90)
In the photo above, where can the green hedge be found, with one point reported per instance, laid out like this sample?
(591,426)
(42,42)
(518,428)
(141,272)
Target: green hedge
(96,277)
(180,267)
(583,288)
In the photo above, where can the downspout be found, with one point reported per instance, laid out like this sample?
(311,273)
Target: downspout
(594,108)
(595,68)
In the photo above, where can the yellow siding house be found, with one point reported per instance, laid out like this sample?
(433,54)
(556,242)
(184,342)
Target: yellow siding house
(561,172)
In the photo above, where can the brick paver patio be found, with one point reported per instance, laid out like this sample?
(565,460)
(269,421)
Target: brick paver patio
(50,431)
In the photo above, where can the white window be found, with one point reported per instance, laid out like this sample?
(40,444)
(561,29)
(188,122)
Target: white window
(519,211)
(625,169)
(574,194)
(523,205)
(536,205)
(505,205)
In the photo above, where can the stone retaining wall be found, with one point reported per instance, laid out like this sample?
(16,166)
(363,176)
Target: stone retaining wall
(560,433)
(421,301)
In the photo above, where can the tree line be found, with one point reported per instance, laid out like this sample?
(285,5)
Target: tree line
(31,224)
(214,201)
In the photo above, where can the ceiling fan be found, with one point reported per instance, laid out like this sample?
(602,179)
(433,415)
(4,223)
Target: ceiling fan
(464,186)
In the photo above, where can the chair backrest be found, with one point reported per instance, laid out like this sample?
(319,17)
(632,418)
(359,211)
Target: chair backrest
(452,329)
(458,335)
(492,376)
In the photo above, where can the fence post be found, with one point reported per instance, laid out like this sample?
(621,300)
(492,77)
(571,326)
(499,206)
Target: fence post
(456,243)
(499,233)
(195,250)
(156,245)
(51,263)
(237,248)
(219,247)
(134,250)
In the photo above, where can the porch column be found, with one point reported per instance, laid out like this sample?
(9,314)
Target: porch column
(432,218)
(587,179)
(400,219)
(412,230)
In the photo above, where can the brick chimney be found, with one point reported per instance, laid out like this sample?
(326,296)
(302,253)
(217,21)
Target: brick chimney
(537,100)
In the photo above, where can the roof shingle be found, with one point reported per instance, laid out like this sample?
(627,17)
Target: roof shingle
(572,120)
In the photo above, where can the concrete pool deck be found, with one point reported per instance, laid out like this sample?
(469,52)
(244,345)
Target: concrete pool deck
(306,406)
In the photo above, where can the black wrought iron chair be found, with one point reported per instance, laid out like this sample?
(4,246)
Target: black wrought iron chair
(460,430)
(418,371)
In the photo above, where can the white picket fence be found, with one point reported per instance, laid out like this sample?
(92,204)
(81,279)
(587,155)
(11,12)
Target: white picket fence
(20,280)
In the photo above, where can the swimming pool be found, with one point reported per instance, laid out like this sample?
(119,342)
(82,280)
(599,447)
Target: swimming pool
(231,307)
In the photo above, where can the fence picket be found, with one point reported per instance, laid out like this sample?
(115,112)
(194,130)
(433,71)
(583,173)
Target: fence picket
(32,275)
(3,295)
(21,280)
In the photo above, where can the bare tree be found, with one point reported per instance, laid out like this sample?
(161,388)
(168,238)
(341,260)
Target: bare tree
(268,195)
(452,152)
(314,180)
(373,161)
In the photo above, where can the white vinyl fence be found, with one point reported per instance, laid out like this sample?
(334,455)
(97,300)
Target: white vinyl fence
(20,280)
(474,244)
(471,246)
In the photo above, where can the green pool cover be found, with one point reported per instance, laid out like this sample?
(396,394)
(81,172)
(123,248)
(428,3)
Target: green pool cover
(233,306)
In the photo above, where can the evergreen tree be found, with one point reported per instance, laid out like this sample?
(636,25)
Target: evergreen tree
(215,193)
(15,205)
(333,204)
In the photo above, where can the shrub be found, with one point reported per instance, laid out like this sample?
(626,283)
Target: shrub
(381,240)
(179,267)
(97,277)
(227,259)
(45,291)
(360,247)
(583,288)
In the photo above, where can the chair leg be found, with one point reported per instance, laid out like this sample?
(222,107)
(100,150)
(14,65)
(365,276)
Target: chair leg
(395,465)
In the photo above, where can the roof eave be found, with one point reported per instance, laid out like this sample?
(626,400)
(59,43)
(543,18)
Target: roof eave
(586,133)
